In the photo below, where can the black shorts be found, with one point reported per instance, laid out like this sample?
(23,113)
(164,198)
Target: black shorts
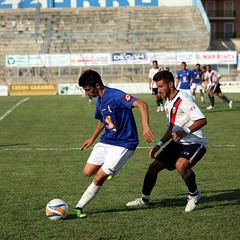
(173,151)
(154,91)
(215,88)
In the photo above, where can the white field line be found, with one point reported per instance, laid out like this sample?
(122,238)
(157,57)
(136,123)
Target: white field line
(11,109)
(73,149)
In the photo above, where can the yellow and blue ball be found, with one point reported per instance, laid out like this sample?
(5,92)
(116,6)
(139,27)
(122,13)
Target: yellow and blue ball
(56,209)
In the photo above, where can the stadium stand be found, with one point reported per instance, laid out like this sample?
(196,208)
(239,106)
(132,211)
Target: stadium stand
(79,30)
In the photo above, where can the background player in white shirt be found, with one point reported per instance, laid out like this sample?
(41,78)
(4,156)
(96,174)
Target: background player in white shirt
(153,86)
(187,145)
(214,87)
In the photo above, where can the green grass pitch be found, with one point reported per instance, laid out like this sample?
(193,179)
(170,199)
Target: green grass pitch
(40,160)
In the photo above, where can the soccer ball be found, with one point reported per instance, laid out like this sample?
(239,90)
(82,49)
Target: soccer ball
(56,209)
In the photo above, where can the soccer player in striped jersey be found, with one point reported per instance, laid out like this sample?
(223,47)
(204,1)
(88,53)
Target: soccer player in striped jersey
(214,87)
(187,141)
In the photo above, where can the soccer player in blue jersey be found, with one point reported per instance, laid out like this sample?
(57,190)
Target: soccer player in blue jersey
(184,77)
(197,76)
(120,139)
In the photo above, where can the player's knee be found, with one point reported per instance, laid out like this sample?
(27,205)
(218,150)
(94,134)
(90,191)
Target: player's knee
(182,169)
(87,173)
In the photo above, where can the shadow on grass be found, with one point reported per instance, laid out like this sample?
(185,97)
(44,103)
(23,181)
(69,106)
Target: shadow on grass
(214,198)
(218,197)
(13,145)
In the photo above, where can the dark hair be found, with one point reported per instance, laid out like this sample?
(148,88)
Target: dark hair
(154,61)
(198,65)
(165,76)
(184,63)
(90,78)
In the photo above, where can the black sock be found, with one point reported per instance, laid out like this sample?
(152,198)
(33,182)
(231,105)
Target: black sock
(225,99)
(190,182)
(158,103)
(211,100)
(149,183)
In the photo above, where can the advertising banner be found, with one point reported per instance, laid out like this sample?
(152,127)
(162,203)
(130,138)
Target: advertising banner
(34,89)
(58,60)
(101,59)
(238,62)
(174,58)
(3,90)
(230,87)
(70,89)
(192,58)
(132,88)
(130,58)
(226,57)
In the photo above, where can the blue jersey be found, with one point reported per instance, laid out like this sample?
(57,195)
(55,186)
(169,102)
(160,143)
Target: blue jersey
(184,78)
(114,109)
(197,75)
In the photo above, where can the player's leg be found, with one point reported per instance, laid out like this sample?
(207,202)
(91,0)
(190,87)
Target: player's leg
(190,155)
(201,95)
(160,101)
(93,165)
(200,88)
(210,93)
(155,93)
(148,184)
(114,158)
(225,99)
(193,89)
(165,159)
(91,192)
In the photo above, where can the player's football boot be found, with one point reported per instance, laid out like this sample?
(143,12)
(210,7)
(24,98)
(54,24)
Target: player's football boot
(79,212)
(210,107)
(137,202)
(192,202)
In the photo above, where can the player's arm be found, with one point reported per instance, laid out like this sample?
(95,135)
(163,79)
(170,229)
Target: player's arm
(90,141)
(177,82)
(143,108)
(166,137)
(191,81)
(177,136)
(150,83)
(202,79)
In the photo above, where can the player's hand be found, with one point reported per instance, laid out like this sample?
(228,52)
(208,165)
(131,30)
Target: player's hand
(148,135)
(177,136)
(87,144)
(153,151)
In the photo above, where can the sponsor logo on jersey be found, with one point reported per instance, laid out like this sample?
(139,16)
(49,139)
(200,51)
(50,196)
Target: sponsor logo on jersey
(192,108)
(127,97)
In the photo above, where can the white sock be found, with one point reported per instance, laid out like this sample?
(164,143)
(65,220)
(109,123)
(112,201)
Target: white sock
(194,98)
(88,195)
(146,196)
(202,99)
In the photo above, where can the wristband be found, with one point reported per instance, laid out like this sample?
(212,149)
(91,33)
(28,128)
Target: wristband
(160,143)
(187,130)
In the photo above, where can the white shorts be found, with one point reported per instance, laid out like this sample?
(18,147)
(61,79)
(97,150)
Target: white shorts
(197,86)
(188,91)
(110,157)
